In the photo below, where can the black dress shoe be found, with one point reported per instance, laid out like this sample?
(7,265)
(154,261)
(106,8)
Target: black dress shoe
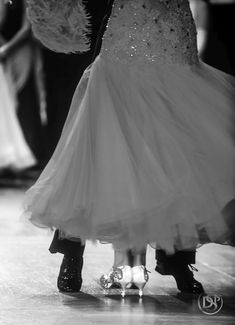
(185,280)
(70,277)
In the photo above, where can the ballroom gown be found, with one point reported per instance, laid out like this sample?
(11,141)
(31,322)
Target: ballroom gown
(147,150)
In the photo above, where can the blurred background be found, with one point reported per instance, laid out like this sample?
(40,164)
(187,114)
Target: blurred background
(36,89)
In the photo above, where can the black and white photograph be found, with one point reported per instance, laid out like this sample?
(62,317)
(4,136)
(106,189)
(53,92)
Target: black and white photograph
(117,162)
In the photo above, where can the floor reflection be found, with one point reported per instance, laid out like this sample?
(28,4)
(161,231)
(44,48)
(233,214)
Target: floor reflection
(164,304)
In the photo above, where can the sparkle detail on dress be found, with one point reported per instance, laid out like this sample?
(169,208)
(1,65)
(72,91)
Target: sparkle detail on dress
(161,31)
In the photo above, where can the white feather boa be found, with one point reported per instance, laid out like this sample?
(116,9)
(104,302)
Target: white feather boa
(61,25)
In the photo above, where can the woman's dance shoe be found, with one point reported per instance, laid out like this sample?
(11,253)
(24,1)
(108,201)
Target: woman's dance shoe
(108,281)
(123,275)
(140,277)
(120,276)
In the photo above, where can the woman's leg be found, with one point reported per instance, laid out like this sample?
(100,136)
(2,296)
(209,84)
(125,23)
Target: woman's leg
(137,257)
(128,268)
(121,273)
(121,258)
(139,272)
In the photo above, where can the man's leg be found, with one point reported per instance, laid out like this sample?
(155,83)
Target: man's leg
(70,275)
(178,265)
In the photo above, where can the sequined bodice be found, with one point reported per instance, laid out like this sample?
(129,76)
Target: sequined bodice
(161,31)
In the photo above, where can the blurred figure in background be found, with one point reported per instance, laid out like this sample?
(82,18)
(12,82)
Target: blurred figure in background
(19,53)
(220,50)
(15,154)
(215,25)
(201,15)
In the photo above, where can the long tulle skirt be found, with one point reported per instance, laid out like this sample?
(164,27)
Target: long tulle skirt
(146,155)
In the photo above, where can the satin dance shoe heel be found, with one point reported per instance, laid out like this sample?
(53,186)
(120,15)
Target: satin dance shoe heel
(140,277)
(123,276)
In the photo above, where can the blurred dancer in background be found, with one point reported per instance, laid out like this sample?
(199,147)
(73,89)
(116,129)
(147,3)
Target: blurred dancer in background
(15,154)
(20,55)
(220,50)
(201,15)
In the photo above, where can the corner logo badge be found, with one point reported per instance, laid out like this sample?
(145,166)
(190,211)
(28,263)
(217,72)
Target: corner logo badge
(210,304)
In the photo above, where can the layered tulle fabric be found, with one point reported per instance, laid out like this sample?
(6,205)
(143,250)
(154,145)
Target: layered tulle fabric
(146,155)
(14,151)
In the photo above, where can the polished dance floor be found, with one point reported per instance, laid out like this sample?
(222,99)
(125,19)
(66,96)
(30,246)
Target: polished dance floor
(28,273)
